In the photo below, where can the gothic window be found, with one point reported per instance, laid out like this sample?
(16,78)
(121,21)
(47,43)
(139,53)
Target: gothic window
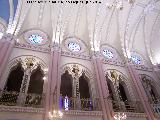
(136,59)
(107,53)
(35,39)
(75,47)
(15,78)
(36,81)
(66,84)
(84,87)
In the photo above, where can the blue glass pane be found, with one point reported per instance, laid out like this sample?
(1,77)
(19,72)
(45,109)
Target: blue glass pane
(74,47)
(107,53)
(136,59)
(4,10)
(35,39)
(15,3)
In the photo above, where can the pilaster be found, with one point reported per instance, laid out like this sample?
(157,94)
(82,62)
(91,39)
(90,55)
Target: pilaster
(103,90)
(53,80)
(6,47)
(141,92)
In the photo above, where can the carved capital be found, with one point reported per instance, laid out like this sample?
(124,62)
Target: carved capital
(9,38)
(56,47)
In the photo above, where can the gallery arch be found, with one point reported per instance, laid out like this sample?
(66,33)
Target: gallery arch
(26,78)
(15,78)
(150,87)
(119,86)
(77,84)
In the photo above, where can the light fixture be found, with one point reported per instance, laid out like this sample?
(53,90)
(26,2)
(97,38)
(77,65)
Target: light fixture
(55,114)
(44,78)
(120,116)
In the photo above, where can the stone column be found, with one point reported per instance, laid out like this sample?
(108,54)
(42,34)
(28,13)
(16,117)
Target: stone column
(6,47)
(141,92)
(24,86)
(101,87)
(53,80)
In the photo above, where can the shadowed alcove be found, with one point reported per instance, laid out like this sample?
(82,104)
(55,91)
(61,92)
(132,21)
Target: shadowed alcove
(15,78)
(36,81)
(83,86)
(66,84)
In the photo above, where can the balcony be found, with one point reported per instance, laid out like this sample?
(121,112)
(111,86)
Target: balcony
(127,106)
(156,107)
(80,104)
(13,98)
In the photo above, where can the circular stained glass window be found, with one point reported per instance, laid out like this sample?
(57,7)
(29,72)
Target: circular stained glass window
(136,59)
(107,53)
(35,39)
(74,47)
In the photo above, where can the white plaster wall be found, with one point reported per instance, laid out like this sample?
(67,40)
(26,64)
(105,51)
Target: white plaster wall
(20,116)
(19,52)
(66,60)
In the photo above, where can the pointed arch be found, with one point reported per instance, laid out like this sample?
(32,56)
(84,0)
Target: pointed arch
(66,84)
(15,78)
(84,86)
(36,81)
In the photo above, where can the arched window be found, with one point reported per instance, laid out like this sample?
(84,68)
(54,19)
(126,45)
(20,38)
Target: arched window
(66,84)
(15,78)
(84,87)
(36,81)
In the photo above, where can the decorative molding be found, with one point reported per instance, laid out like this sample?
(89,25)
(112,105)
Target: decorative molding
(32,47)
(74,55)
(21,109)
(83,113)
(131,114)
(114,62)
(143,68)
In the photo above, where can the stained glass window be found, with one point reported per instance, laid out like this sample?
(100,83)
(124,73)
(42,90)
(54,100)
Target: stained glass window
(35,39)
(74,47)
(136,59)
(107,53)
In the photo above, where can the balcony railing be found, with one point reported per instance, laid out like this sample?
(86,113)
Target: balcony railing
(80,104)
(13,98)
(127,106)
(155,104)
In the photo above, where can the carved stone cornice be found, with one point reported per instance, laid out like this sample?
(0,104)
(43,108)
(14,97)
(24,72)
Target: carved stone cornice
(114,62)
(21,109)
(131,114)
(74,55)
(32,47)
(56,47)
(83,113)
(9,38)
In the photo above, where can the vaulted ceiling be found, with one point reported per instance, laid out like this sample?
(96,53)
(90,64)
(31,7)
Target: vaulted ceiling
(126,25)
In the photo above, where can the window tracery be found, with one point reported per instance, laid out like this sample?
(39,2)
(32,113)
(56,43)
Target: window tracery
(136,59)
(35,39)
(75,47)
(107,53)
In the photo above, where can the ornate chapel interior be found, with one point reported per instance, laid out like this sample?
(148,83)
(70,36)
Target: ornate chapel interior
(79,60)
